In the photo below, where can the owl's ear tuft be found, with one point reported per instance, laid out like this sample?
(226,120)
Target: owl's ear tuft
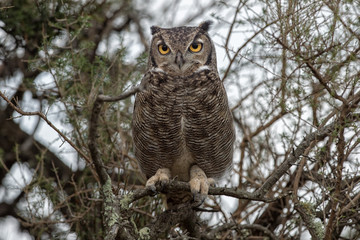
(154,29)
(205,25)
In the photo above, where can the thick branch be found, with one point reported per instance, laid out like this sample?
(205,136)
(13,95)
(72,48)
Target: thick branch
(94,151)
(285,166)
(318,135)
(113,215)
(94,122)
(174,185)
(315,228)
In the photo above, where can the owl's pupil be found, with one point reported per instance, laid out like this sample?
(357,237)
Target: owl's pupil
(164,48)
(195,45)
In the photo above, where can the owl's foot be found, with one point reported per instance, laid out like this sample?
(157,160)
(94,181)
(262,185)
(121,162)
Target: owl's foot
(199,184)
(162,175)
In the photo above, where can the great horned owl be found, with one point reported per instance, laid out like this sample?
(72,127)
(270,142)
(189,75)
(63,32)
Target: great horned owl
(182,125)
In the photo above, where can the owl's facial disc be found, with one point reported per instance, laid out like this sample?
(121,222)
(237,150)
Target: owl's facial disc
(182,51)
(181,61)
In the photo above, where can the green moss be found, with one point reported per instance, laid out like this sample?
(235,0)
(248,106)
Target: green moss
(316,225)
(319,229)
(125,201)
(107,190)
(144,233)
(308,206)
(111,217)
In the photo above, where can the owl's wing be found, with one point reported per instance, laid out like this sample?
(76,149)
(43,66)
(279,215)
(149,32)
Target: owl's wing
(156,125)
(209,129)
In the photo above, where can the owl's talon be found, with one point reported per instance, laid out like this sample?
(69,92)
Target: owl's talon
(211,182)
(162,176)
(198,199)
(199,184)
(152,188)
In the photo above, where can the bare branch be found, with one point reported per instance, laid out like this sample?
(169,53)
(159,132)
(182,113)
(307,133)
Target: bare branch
(307,215)
(112,212)
(285,166)
(132,91)
(174,185)
(94,151)
(41,115)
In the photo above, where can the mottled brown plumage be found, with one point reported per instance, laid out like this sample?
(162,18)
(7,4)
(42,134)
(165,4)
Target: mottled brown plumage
(182,123)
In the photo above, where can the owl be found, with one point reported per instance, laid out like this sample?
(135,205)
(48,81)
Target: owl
(182,125)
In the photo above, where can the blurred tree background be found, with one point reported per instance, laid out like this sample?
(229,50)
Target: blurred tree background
(291,69)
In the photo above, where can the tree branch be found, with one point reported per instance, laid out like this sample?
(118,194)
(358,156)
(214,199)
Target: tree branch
(174,185)
(233,226)
(114,213)
(285,166)
(41,115)
(306,212)
(132,91)
(94,151)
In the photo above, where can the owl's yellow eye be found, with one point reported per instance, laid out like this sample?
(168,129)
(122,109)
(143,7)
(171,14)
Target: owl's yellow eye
(195,47)
(163,49)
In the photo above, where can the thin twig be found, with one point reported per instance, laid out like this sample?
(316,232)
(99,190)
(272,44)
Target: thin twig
(285,166)
(43,116)
(235,226)
(132,91)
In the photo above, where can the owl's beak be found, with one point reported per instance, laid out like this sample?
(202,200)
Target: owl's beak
(179,60)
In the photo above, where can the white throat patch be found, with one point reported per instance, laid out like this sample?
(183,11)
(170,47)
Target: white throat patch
(202,68)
